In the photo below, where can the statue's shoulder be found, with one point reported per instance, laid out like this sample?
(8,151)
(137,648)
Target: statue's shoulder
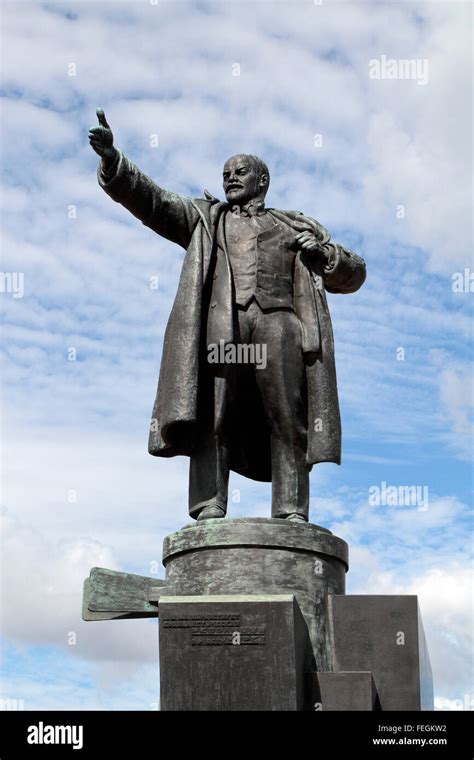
(209,208)
(208,202)
(290,217)
(285,212)
(210,197)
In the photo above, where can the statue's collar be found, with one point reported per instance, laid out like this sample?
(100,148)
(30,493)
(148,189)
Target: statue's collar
(255,207)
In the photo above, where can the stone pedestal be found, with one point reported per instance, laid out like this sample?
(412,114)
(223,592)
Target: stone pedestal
(253,616)
(232,653)
(262,556)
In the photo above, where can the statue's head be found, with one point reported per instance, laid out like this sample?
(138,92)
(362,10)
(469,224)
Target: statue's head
(245,177)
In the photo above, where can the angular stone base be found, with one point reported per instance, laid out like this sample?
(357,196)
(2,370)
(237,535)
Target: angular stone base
(384,634)
(343,691)
(232,653)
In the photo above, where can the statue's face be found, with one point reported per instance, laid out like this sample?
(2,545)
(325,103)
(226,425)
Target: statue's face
(241,180)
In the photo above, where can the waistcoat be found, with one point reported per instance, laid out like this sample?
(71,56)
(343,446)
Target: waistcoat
(262,255)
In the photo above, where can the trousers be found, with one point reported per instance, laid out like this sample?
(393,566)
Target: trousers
(280,380)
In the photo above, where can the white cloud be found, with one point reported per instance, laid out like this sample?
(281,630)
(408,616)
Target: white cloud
(42,582)
(457,394)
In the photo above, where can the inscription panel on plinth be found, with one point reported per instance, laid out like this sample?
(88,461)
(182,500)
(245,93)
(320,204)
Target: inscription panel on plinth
(232,653)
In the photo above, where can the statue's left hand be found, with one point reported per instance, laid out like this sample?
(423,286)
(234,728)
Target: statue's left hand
(308,241)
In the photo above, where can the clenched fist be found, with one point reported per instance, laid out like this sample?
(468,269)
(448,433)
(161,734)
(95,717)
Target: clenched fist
(308,241)
(102,139)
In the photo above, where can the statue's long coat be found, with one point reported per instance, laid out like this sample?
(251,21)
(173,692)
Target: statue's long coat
(194,224)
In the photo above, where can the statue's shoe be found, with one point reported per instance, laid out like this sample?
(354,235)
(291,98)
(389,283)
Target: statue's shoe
(211,512)
(295,517)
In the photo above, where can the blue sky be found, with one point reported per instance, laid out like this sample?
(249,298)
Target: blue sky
(383,164)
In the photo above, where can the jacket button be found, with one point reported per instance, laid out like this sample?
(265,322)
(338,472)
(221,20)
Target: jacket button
(214,303)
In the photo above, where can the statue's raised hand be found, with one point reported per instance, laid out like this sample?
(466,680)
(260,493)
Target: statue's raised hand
(102,139)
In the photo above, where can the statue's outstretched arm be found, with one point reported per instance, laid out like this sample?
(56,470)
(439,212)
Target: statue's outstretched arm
(171,215)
